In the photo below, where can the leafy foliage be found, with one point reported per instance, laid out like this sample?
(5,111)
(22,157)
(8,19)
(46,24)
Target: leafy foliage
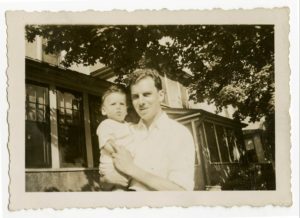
(229,64)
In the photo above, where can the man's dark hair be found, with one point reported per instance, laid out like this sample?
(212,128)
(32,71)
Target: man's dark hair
(113,89)
(140,74)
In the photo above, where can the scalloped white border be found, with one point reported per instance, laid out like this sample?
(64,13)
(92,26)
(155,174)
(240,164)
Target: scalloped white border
(293,83)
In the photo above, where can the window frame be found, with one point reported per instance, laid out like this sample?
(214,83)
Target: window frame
(225,128)
(52,131)
(81,126)
(47,134)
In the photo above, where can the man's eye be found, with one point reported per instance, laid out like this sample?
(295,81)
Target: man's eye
(134,97)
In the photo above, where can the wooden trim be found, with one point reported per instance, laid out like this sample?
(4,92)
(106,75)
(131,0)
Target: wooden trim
(218,146)
(206,143)
(227,144)
(75,169)
(178,88)
(188,117)
(210,117)
(203,158)
(196,141)
(188,121)
(46,73)
(167,90)
(53,127)
(87,129)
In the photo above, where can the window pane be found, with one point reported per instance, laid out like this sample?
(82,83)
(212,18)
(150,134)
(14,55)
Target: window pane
(32,98)
(174,94)
(184,96)
(40,115)
(250,150)
(75,104)
(76,117)
(211,142)
(31,113)
(222,143)
(249,144)
(30,93)
(163,83)
(68,119)
(232,143)
(40,94)
(68,97)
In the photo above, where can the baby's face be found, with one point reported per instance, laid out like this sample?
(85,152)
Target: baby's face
(115,107)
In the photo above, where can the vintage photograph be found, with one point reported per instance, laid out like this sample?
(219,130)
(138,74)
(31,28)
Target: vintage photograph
(149,107)
(111,110)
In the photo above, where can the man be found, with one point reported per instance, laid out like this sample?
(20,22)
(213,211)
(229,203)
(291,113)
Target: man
(164,154)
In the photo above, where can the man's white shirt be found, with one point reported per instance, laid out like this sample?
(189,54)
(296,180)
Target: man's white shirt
(165,149)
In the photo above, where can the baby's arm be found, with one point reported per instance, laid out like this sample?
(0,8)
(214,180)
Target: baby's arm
(109,175)
(109,146)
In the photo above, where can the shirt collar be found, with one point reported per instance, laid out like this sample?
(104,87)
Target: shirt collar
(159,123)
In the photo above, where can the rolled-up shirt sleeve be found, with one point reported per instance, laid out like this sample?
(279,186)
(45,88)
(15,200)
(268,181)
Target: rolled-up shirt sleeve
(105,132)
(182,160)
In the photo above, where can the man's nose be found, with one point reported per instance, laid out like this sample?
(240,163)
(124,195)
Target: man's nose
(141,100)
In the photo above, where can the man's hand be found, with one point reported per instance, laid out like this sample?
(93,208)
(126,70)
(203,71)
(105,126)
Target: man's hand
(123,160)
(109,175)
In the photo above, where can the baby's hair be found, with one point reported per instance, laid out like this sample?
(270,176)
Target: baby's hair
(113,89)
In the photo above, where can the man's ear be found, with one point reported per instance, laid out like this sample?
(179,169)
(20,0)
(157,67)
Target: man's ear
(161,94)
(103,111)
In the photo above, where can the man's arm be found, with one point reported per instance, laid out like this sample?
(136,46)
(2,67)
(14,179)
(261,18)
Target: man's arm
(124,162)
(108,173)
(112,177)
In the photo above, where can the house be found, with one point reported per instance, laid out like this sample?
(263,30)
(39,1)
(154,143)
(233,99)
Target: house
(63,112)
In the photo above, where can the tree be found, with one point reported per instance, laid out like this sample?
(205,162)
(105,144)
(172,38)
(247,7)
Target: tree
(229,64)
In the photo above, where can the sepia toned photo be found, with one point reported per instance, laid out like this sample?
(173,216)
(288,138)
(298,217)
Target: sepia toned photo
(216,81)
(160,110)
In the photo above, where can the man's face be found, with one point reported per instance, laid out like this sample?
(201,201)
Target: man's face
(146,99)
(114,106)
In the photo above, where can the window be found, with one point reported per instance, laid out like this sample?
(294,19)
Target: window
(211,142)
(71,139)
(250,150)
(163,83)
(222,143)
(174,94)
(48,57)
(222,138)
(233,145)
(37,131)
(184,96)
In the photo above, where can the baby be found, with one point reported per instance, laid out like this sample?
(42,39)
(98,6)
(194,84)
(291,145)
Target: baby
(113,131)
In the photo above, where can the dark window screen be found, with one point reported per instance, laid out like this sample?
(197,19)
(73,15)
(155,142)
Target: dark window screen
(37,130)
(71,138)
